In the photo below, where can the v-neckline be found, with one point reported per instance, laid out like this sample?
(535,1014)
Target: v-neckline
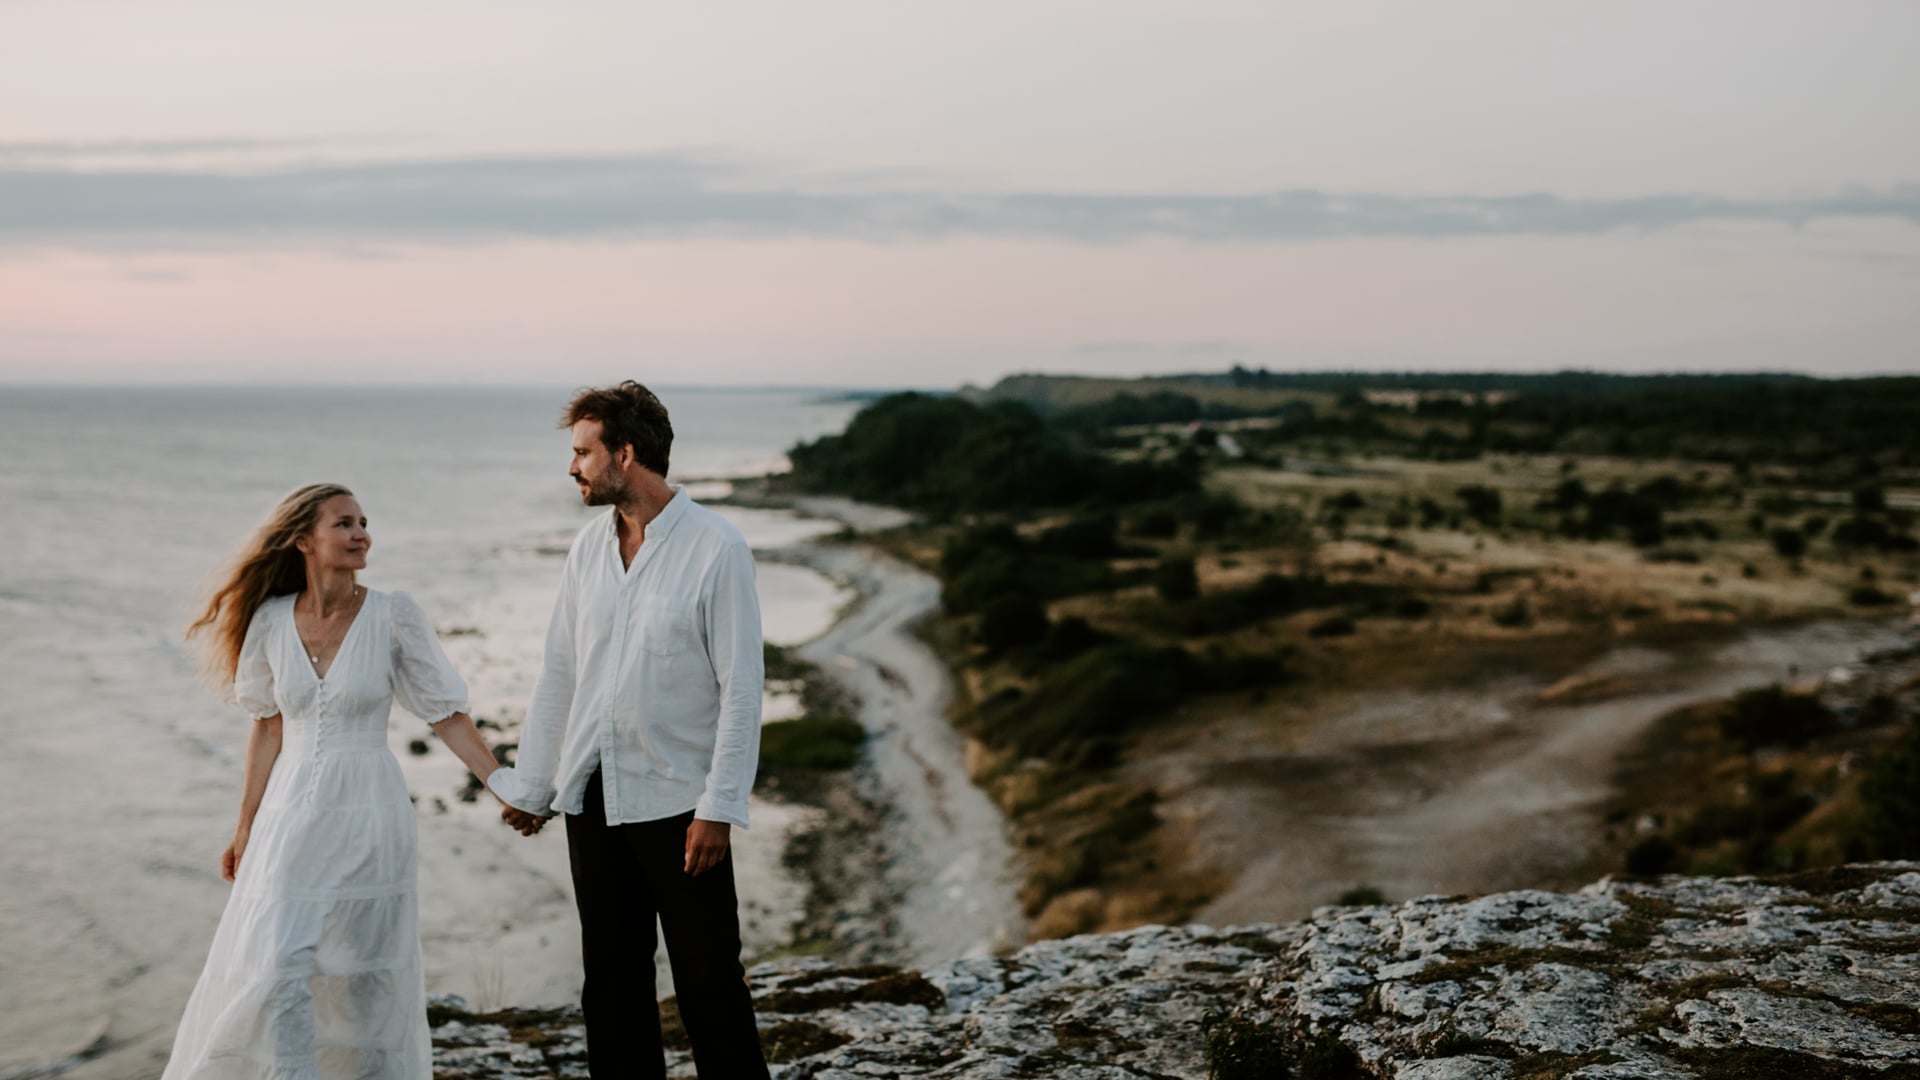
(339,650)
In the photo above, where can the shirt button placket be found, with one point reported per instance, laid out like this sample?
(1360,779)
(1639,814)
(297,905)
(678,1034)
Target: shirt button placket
(609,773)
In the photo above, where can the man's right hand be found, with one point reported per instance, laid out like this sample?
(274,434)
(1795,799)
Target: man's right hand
(523,823)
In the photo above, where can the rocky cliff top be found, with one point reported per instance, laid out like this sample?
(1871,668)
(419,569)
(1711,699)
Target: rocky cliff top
(1814,976)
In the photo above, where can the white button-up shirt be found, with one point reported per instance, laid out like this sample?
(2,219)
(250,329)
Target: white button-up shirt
(652,674)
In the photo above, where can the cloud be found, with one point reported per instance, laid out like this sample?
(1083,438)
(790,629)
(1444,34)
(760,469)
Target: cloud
(674,196)
(53,153)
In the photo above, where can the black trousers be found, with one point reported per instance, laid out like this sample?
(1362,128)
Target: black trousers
(623,876)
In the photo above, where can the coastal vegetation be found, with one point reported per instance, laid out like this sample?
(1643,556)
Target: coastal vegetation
(824,738)
(1131,566)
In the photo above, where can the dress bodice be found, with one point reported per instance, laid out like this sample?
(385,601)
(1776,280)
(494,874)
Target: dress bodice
(389,652)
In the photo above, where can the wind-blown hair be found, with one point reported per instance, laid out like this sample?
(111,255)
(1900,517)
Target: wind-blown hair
(267,565)
(629,415)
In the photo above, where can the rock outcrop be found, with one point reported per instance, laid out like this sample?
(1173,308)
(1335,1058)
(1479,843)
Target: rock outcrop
(1814,976)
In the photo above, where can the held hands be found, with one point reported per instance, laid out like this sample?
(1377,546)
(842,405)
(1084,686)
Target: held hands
(707,843)
(523,823)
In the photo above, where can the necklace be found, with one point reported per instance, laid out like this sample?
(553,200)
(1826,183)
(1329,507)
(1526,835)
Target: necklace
(314,657)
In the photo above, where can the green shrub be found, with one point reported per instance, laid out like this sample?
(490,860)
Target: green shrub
(1083,538)
(1332,626)
(997,572)
(963,548)
(1081,706)
(1175,580)
(1156,524)
(1482,503)
(1770,716)
(1223,673)
(1361,896)
(1653,855)
(1890,800)
(1514,614)
(1868,596)
(831,742)
(1067,639)
(1327,1058)
(1240,1049)
(1010,621)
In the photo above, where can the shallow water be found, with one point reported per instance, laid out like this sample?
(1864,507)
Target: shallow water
(124,770)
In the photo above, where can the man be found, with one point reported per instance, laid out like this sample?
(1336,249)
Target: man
(644,730)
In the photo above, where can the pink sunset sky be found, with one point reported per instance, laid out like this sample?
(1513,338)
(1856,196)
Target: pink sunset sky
(888,194)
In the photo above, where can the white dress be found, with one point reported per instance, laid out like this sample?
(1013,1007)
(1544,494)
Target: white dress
(316,971)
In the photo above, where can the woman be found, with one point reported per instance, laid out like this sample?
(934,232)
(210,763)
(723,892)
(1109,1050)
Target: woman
(316,968)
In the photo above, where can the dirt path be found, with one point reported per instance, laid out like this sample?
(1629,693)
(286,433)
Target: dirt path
(1467,790)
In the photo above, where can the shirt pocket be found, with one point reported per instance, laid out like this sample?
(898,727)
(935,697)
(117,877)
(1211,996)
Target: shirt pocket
(667,630)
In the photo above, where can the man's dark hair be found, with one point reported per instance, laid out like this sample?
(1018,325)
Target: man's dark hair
(629,415)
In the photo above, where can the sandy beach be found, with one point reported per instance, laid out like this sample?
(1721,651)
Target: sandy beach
(949,863)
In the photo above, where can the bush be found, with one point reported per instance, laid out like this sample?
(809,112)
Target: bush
(1770,716)
(1868,596)
(996,573)
(1332,626)
(1788,543)
(962,548)
(1175,580)
(1008,622)
(1212,515)
(1515,614)
(1864,532)
(1653,855)
(1327,1058)
(1482,503)
(1890,800)
(1083,705)
(831,742)
(1156,524)
(1615,509)
(1083,538)
(1361,896)
(1239,1049)
(1069,638)
(1239,672)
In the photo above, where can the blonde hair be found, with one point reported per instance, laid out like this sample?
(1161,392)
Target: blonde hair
(267,565)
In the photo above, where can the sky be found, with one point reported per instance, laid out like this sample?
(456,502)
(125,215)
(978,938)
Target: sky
(924,194)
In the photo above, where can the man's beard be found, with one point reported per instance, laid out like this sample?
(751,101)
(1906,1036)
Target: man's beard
(611,489)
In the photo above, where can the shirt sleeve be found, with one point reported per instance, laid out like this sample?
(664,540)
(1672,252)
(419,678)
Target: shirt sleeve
(423,678)
(528,783)
(253,677)
(732,624)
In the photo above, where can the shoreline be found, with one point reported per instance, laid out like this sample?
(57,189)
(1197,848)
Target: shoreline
(910,861)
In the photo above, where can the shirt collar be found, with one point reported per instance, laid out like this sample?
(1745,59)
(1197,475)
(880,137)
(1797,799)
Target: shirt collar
(670,514)
(663,523)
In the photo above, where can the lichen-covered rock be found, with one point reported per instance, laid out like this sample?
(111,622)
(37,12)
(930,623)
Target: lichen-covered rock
(1814,975)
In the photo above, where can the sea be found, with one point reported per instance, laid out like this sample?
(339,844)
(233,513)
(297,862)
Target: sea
(120,769)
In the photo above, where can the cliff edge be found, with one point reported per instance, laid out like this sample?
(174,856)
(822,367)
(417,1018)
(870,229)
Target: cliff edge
(1813,975)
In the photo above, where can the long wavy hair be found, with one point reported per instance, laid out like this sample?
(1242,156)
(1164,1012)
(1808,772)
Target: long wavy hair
(267,565)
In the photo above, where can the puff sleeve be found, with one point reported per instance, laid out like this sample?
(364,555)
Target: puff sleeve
(424,681)
(253,675)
